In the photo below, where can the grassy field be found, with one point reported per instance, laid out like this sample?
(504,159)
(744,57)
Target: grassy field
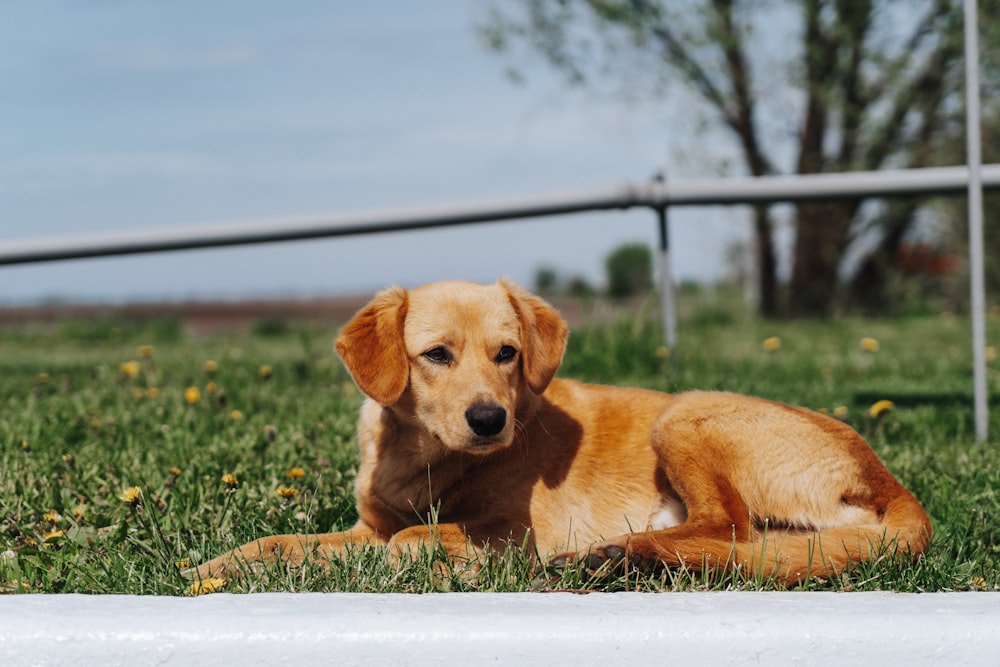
(232,437)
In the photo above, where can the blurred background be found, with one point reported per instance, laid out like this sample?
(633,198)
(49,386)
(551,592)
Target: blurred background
(130,115)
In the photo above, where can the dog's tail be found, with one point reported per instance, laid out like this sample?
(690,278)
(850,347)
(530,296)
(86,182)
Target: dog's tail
(792,556)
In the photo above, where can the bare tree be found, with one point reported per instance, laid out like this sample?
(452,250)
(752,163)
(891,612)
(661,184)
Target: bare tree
(871,84)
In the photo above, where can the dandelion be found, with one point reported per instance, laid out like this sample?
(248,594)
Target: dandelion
(265,372)
(69,460)
(287,492)
(183,563)
(25,446)
(42,378)
(978,582)
(869,344)
(840,412)
(152,392)
(192,395)
(211,367)
(54,535)
(52,516)
(145,351)
(211,388)
(205,586)
(879,407)
(129,369)
(662,352)
(131,496)
(771,344)
(991,353)
(296,473)
(79,512)
(236,415)
(230,481)
(174,471)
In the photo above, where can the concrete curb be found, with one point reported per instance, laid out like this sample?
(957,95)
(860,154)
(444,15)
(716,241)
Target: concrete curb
(551,629)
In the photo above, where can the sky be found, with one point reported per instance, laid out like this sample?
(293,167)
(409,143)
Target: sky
(127,115)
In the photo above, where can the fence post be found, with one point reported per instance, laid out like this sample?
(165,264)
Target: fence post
(976,279)
(668,306)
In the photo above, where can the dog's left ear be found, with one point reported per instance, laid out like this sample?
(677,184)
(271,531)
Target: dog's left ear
(372,348)
(543,335)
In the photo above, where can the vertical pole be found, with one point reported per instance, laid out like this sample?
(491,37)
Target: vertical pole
(974,161)
(668,307)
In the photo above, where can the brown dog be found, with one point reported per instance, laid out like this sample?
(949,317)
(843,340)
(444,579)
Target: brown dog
(468,441)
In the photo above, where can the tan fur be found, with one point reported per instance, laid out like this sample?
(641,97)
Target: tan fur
(574,470)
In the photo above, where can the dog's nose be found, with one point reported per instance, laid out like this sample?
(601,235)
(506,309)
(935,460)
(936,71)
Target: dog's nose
(486,420)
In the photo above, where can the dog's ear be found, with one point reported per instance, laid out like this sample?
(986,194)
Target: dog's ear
(543,335)
(372,347)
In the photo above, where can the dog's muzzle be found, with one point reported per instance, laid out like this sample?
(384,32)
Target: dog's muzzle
(486,420)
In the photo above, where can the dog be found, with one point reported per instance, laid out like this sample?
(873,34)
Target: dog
(468,441)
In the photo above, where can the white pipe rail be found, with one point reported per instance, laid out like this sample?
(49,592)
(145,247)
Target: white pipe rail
(655,195)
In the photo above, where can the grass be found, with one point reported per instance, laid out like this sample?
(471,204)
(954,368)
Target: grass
(91,410)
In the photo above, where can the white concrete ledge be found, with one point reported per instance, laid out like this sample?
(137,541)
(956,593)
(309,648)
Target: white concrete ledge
(526,629)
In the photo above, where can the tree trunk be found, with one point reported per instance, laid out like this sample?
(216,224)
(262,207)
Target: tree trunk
(767,265)
(820,238)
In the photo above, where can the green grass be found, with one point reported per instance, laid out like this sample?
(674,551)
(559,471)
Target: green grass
(76,432)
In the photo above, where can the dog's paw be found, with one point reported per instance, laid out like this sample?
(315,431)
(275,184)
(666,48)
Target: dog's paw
(609,558)
(213,575)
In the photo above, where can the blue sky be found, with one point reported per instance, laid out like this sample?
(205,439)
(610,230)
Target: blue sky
(120,115)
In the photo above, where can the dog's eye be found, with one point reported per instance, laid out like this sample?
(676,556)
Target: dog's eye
(438,355)
(506,353)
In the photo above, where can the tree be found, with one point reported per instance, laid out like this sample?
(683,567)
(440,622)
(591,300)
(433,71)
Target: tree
(630,270)
(871,83)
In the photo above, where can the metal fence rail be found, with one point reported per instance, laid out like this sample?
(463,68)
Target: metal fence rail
(655,195)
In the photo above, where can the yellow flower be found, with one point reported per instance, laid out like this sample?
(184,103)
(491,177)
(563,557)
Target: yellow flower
(174,471)
(287,492)
(296,473)
(129,369)
(662,352)
(211,367)
(131,496)
(79,511)
(771,344)
(183,563)
(879,407)
(209,585)
(42,378)
(210,388)
(869,344)
(265,372)
(978,582)
(991,353)
(52,516)
(192,395)
(152,392)
(230,481)
(236,415)
(145,351)
(53,535)
(840,412)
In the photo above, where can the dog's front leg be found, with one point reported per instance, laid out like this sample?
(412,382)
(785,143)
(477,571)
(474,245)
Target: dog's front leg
(293,549)
(451,538)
